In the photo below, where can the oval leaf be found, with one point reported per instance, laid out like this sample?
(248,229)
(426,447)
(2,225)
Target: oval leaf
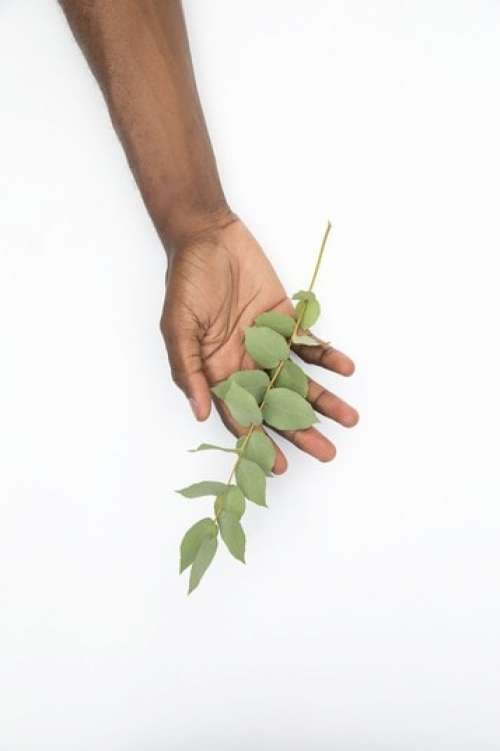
(252,481)
(259,449)
(200,489)
(219,505)
(232,533)
(193,539)
(242,405)
(254,381)
(292,377)
(287,410)
(232,501)
(278,322)
(221,388)
(204,558)
(307,312)
(265,346)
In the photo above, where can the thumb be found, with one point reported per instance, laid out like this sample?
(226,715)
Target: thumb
(184,354)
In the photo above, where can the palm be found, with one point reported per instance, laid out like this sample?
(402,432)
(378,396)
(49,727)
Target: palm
(223,286)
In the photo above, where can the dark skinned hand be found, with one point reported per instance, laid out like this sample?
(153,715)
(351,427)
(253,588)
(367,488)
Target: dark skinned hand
(217,283)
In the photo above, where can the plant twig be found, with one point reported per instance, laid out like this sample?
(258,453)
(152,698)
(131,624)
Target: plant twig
(281,364)
(320,255)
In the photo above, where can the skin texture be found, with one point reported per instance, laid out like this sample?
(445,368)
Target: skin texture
(219,279)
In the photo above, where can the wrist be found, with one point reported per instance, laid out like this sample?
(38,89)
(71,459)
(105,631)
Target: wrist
(181,227)
(181,191)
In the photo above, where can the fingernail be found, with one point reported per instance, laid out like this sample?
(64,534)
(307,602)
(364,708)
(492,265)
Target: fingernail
(194,406)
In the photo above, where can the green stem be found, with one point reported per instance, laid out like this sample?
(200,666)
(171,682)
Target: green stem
(281,363)
(320,255)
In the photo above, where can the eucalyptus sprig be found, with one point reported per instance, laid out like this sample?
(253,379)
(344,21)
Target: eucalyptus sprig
(274,395)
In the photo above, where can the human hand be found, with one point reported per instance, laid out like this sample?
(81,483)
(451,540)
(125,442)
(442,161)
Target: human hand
(217,284)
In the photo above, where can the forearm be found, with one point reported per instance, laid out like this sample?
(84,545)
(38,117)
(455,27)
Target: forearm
(139,53)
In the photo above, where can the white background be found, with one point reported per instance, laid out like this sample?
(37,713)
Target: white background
(368,614)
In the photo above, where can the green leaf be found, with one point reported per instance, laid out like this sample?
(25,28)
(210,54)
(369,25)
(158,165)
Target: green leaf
(232,501)
(209,447)
(242,405)
(278,322)
(221,388)
(254,381)
(232,533)
(305,340)
(292,377)
(287,410)
(265,346)
(193,539)
(199,489)
(304,295)
(307,312)
(252,481)
(219,505)
(259,449)
(204,558)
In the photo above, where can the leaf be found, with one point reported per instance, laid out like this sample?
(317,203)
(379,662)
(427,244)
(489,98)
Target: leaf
(209,447)
(292,377)
(278,322)
(254,381)
(287,410)
(203,559)
(307,312)
(219,505)
(200,489)
(259,449)
(232,501)
(193,539)
(252,481)
(242,405)
(221,388)
(232,533)
(265,346)
(305,340)
(303,295)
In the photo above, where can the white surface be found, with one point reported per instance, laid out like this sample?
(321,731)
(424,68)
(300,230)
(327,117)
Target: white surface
(367,617)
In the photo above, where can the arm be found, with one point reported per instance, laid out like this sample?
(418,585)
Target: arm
(139,54)
(218,277)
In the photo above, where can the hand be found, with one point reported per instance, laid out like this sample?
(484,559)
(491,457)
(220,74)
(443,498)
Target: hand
(217,283)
